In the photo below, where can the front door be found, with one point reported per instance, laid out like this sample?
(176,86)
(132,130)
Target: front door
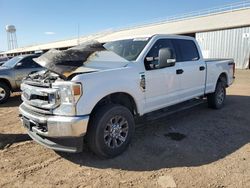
(162,85)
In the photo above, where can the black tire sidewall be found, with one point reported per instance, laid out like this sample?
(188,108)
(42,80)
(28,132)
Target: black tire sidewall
(99,124)
(7,91)
(219,86)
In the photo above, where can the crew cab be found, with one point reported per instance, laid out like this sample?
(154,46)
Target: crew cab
(13,71)
(94,91)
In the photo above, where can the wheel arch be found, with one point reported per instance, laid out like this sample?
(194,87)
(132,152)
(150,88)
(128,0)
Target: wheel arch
(6,82)
(121,98)
(223,78)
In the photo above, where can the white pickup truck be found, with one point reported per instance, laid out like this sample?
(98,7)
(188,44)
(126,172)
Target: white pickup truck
(94,91)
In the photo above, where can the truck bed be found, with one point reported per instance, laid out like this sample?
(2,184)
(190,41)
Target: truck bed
(216,66)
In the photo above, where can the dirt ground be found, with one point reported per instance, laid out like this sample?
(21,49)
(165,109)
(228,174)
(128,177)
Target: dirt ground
(211,150)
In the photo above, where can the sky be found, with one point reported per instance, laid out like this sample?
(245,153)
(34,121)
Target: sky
(42,21)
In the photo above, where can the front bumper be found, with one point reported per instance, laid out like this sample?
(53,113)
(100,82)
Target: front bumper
(60,133)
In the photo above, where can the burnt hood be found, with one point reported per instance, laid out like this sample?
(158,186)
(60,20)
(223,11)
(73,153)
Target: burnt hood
(64,62)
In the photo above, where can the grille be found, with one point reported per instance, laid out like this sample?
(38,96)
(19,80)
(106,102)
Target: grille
(39,99)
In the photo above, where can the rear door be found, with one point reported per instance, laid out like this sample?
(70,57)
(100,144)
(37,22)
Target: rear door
(162,85)
(192,71)
(24,67)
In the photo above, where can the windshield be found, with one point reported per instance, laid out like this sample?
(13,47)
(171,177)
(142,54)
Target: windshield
(12,62)
(129,49)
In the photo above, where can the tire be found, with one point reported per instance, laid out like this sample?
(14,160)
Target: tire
(110,130)
(4,93)
(216,100)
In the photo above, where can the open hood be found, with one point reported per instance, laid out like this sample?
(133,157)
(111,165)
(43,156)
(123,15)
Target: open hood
(67,61)
(87,57)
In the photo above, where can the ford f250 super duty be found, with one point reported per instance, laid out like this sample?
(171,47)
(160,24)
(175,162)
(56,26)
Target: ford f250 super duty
(94,91)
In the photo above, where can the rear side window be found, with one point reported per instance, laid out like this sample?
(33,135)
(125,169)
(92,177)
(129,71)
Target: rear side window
(186,50)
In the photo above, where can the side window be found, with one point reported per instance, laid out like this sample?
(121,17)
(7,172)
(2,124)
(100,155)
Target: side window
(151,59)
(187,50)
(28,63)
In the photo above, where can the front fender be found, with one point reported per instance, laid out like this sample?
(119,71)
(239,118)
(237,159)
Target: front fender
(100,84)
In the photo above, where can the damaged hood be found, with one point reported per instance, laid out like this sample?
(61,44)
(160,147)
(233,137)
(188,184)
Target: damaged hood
(87,57)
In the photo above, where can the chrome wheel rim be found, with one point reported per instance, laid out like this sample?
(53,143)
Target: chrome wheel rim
(2,93)
(116,131)
(220,96)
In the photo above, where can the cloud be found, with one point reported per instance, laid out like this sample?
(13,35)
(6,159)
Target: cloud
(49,33)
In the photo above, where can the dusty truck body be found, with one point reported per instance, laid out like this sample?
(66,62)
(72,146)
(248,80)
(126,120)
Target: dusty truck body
(95,91)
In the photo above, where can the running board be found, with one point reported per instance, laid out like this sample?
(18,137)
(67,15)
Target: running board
(171,110)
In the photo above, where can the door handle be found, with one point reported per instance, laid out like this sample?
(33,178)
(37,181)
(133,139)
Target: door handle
(179,71)
(202,68)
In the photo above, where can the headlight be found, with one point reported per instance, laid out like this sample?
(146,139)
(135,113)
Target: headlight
(69,94)
(65,94)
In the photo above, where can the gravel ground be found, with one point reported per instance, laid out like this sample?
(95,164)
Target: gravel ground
(210,149)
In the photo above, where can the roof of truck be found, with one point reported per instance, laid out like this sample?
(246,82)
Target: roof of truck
(105,39)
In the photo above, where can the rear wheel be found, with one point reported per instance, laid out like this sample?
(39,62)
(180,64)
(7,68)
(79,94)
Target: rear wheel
(110,130)
(4,93)
(216,100)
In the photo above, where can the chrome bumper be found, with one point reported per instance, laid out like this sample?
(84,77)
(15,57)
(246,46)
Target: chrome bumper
(56,126)
(60,133)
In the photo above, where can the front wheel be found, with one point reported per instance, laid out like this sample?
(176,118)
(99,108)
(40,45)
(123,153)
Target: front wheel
(4,93)
(110,130)
(216,100)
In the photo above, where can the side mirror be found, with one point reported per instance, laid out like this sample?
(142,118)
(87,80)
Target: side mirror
(18,65)
(166,58)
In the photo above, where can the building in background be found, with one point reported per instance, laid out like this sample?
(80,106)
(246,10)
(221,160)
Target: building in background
(228,43)
(222,32)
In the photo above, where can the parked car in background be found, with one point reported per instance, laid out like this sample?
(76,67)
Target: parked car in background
(13,71)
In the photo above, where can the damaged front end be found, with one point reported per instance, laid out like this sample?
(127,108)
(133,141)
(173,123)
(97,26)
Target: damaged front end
(50,97)
(48,111)
(50,91)
(67,61)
